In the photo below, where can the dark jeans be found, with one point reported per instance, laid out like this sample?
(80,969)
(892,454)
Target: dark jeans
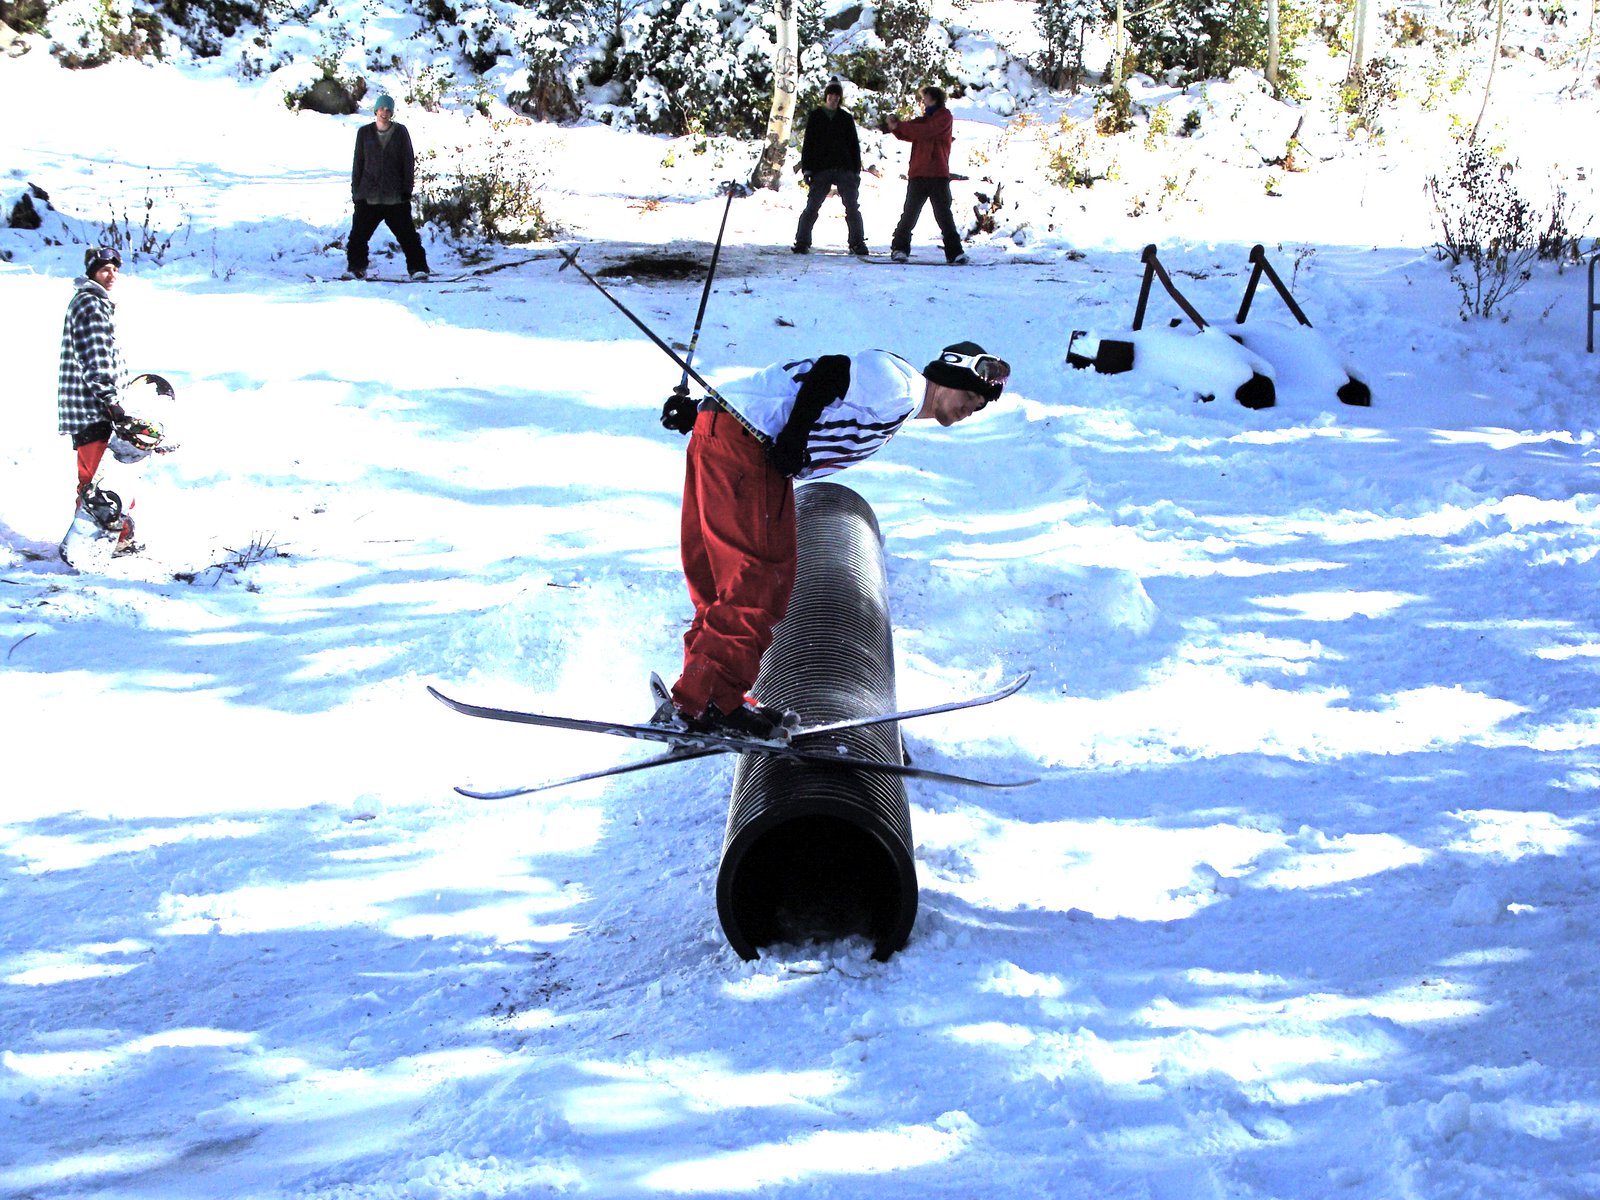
(849,185)
(398,218)
(920,191)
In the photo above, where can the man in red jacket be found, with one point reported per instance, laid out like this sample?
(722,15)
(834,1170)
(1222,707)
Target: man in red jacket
(927,176)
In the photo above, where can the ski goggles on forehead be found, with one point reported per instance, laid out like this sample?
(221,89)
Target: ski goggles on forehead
(993,371)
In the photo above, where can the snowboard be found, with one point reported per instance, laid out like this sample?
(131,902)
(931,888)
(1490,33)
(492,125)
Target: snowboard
(94,537)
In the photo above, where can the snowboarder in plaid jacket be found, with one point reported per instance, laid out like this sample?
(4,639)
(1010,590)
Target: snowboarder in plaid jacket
(93,375)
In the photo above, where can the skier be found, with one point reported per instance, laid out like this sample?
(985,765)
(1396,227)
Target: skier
(816,416)
(91,381)
(382,179)
(927,176)
(830,157)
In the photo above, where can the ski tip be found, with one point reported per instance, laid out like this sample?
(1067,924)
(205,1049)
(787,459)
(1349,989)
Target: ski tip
(441,697)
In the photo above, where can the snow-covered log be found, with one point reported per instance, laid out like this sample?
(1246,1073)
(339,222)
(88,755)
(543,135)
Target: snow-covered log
(1206,362)
(1302,359)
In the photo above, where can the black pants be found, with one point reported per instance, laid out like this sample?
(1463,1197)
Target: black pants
(398,218)
(920,191)
(849,185)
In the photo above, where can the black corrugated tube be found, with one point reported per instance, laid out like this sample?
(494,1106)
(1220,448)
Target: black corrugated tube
(811,852)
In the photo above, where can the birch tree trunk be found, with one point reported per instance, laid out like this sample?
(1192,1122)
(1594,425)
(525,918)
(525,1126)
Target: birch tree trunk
(785,85)
(1360,40)
(1494,57)
(1118,50)
(1272,47)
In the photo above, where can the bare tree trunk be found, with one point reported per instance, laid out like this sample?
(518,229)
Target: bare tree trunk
(1360,40)
(1588,46)
(1494,57)
(785,84)
(1272,47)
(1119,50)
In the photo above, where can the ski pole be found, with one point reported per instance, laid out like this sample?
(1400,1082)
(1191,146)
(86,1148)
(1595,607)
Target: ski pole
(571,258)
(733,189)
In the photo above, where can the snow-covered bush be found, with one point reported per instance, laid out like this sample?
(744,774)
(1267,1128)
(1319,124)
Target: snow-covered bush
(903,53)
(680,62)
(1371,90)
(549,44)
(1062,26)
(203,27)
(426,84)
(1075,156)
(87,33)
(486,186)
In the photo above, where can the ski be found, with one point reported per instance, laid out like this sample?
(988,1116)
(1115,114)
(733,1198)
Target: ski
(907,714)
(659,760)
(469,278)
(661,733)
(674,756)
(702,744)
(879,259)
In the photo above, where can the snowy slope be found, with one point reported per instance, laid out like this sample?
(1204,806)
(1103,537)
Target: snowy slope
(1304,905)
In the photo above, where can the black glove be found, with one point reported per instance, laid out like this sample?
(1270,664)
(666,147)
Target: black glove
(827,381)
(805,177)
(114,411)
(678,413)
(788,454)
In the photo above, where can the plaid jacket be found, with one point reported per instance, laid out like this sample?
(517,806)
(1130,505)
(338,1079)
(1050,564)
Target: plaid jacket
(92,371)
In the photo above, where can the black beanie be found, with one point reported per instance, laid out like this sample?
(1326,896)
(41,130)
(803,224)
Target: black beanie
(96,257)
(963,379)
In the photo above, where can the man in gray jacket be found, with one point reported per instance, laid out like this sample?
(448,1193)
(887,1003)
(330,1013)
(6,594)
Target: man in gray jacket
(382,179)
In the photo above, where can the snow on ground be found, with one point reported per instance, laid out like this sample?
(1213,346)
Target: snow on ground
(1304,904)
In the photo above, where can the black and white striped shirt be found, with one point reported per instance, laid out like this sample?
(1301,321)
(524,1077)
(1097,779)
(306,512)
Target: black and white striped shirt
(885,392)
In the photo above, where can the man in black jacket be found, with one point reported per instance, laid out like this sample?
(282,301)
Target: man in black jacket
(830,157)
(381,182)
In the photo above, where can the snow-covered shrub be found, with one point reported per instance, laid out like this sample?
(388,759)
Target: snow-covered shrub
(87,33)
(426,84)
(1489,230)
(553,38)
(704,60)
(333,83)
(1062,25)
(486,186)
(906,53)
(1075,156)
(482,37)
(26,16)
(1114,113)
(1369,91)
(203,27)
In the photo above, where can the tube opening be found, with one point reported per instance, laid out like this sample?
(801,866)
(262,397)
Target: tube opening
(817,878)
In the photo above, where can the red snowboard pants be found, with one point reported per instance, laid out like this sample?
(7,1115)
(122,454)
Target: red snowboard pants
(738,536)
(90,456)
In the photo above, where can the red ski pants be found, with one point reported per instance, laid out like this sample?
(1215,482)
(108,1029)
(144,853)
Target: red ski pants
(90,456)
(738,536)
